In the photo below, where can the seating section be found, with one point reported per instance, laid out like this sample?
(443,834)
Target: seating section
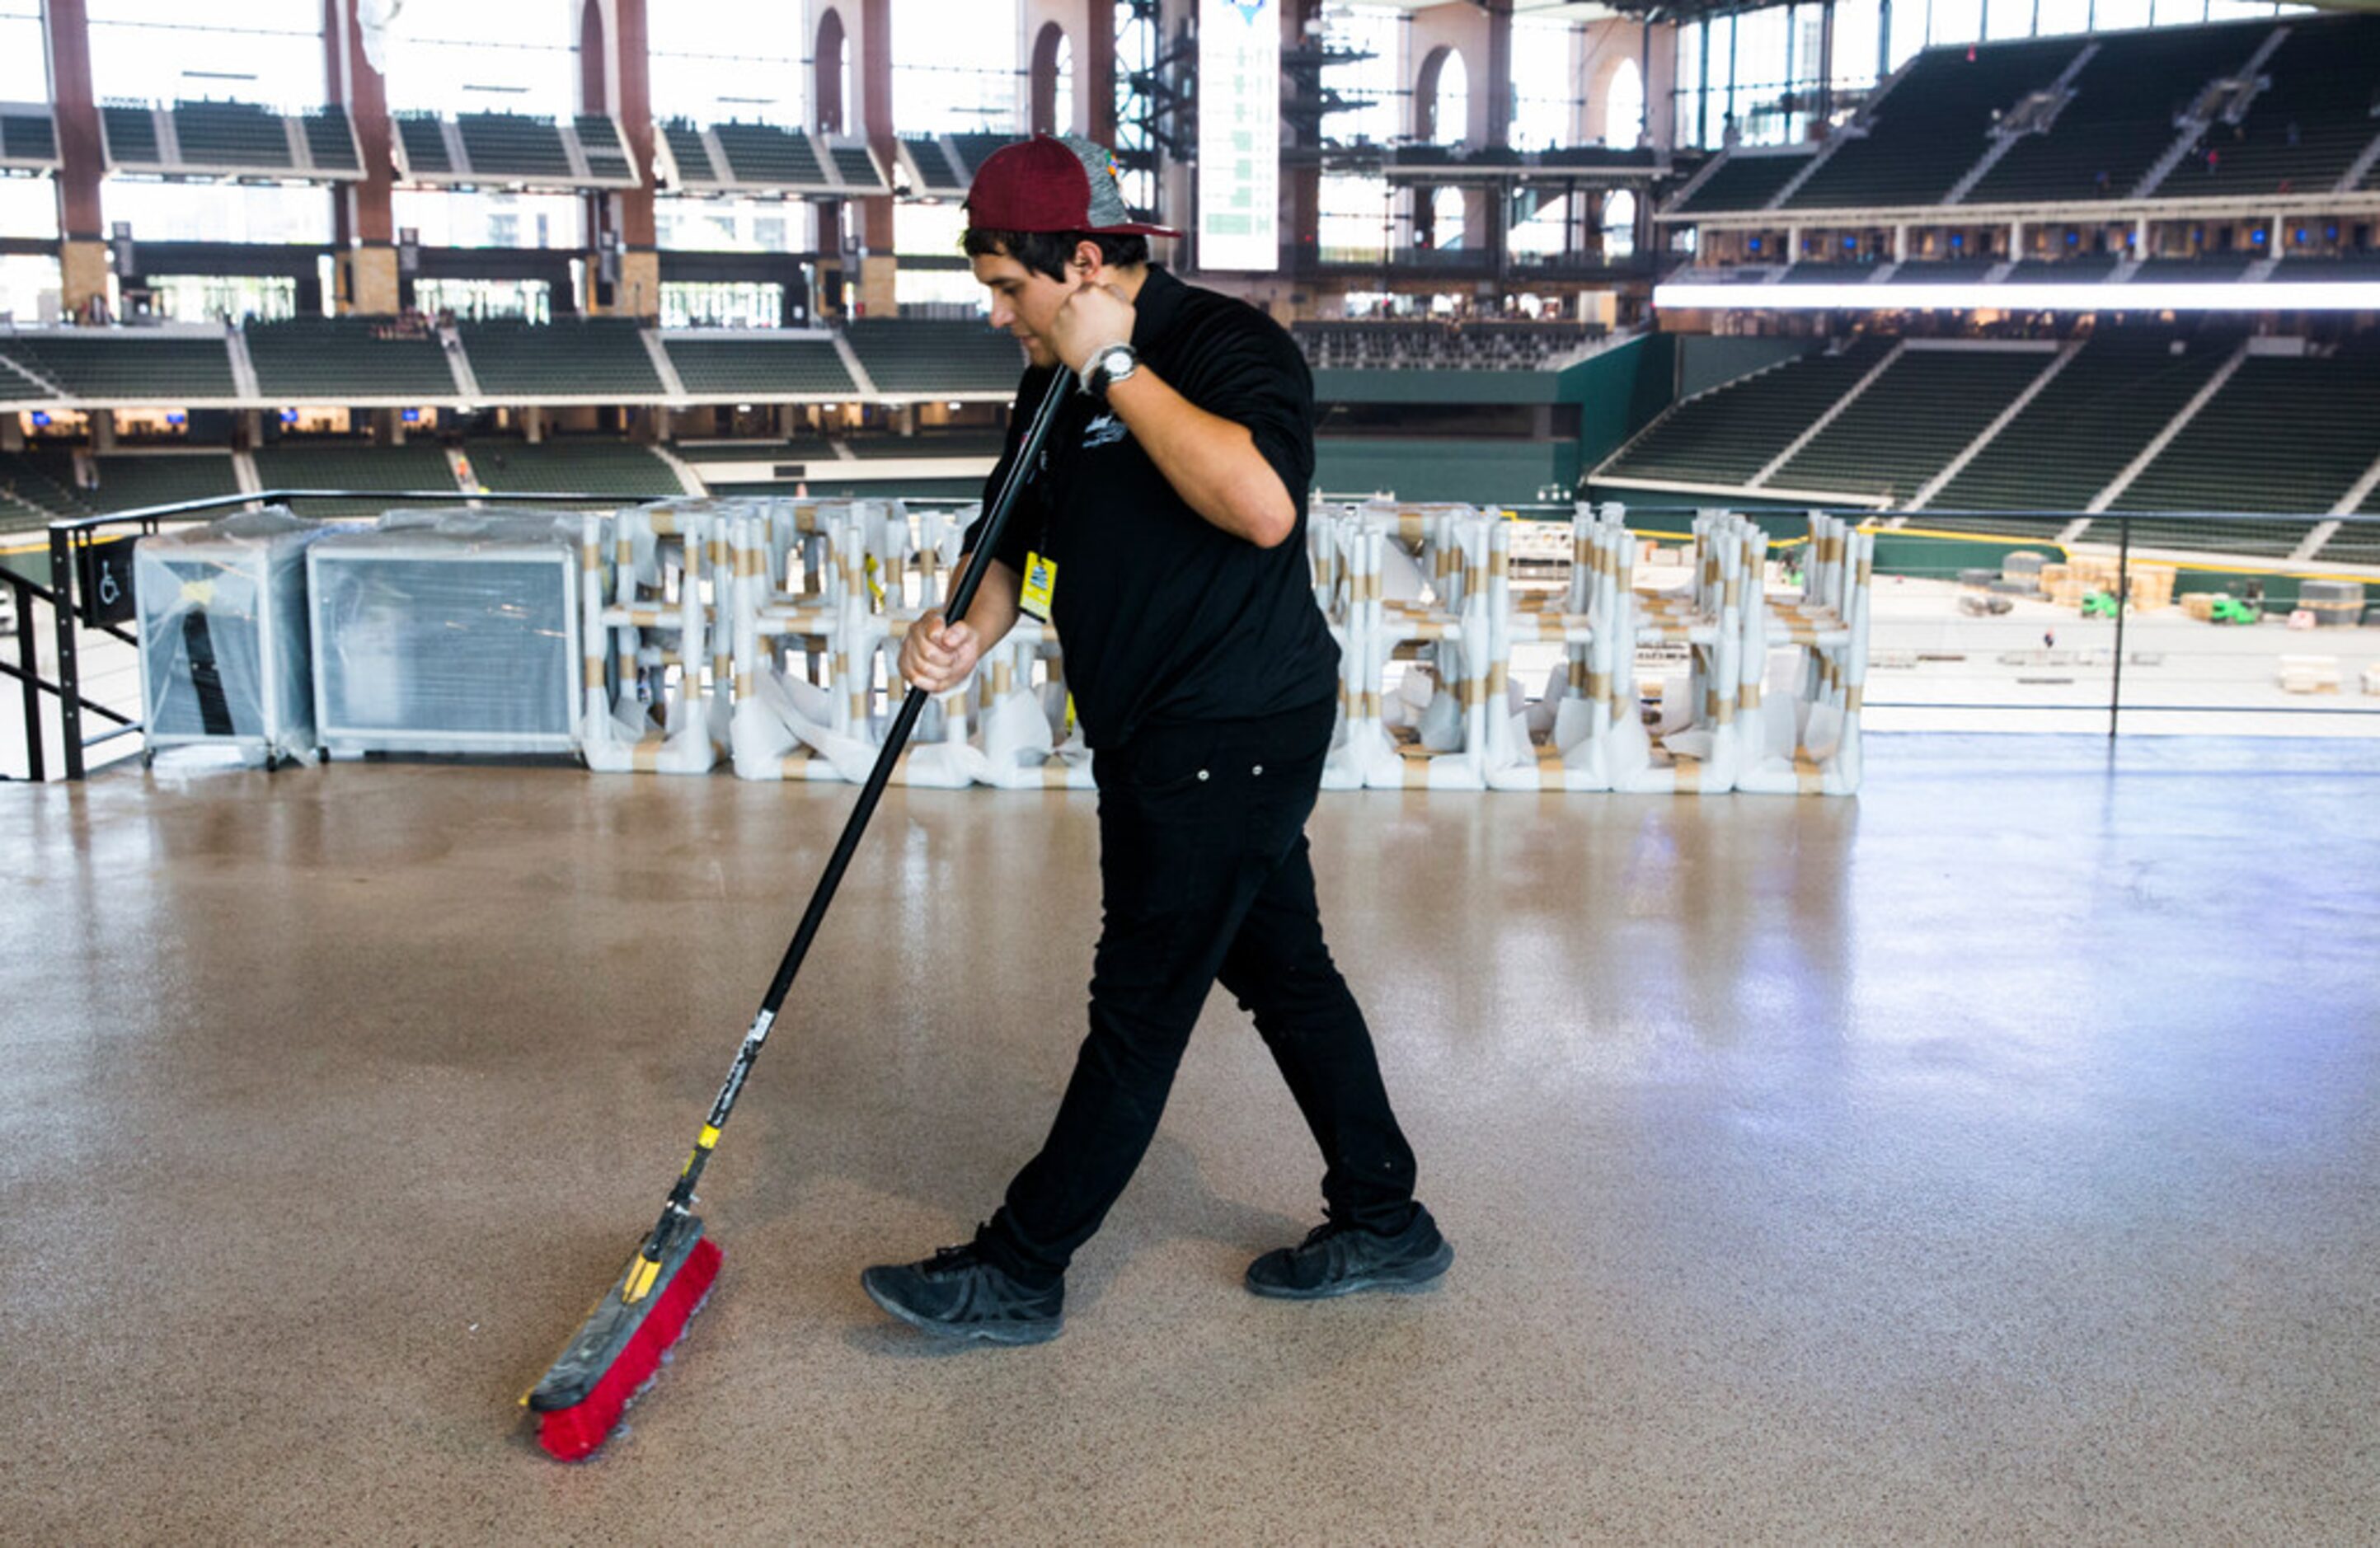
(687,149)
(606,157)
(2086,426)
(904,355)
(230,134)
(2120,119)
(353,465)
(129,480)
(760,364)
(2303,132)
(765,154)
(1923,271)
(590,358)
(2284,434)
(801,449)
(571,465)
(929,443)
(1725,436)
(857,168)
(2365,268)
(1931,127)
(106,363)
(2081,269)
(1431,345)
(933,166)
(330,140)
(2207,269)
(36,487)
(512,144)
(1744,183)
(1916,417)
(423,139)
(315,359)
(974,149)
(28,137)
(131,135)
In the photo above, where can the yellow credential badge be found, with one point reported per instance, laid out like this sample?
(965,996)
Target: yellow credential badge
(1040,584)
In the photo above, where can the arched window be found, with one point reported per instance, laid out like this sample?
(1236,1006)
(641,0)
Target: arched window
(1620,225)
(833,67)
(1442,99)
(1446,218)
(1051,92)
(1623,106)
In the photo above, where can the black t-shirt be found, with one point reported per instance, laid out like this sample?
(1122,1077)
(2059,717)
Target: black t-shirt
(1164,616)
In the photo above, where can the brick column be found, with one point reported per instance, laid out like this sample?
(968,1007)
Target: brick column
(363,225)
(878,266)
(82,238)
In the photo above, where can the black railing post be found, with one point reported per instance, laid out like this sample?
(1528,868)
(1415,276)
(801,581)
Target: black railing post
(2123,605)
(62,587)
(28,663)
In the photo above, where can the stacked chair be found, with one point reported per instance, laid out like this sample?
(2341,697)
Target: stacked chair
(1806,740)
(769,631)
(655,617)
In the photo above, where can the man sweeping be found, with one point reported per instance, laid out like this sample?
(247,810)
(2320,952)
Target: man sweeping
(1163,537)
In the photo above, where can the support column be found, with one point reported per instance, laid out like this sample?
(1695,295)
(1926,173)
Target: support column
(82,238)
(878,288)
(2016,241)
(615,67)
(1900,244)
(363,227)
(102,431)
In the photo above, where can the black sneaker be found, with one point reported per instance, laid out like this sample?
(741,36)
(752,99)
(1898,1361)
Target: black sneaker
(956,1294)
(1340,1260)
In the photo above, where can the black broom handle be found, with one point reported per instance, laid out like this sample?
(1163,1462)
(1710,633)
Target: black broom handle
(970,581)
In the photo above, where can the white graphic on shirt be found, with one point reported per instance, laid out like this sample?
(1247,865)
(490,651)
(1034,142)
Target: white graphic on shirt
(1105,430)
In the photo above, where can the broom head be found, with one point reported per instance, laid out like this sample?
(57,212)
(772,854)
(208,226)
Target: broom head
(618,1350)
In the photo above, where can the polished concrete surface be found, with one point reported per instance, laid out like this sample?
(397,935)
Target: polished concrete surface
(1991,1158)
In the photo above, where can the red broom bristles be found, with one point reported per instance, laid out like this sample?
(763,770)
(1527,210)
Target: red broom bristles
(573,1433)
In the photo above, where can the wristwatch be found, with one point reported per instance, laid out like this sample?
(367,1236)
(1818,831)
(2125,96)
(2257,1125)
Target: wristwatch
(1109,364)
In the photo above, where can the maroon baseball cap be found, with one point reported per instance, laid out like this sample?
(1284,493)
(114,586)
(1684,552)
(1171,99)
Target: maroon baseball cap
(1053,183)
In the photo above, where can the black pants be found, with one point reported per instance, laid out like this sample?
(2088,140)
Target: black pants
(1205,875)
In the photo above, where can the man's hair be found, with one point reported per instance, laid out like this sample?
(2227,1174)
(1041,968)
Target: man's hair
(1048,252)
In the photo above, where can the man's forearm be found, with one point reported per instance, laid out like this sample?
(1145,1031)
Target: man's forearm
(1211,462)
(993,611)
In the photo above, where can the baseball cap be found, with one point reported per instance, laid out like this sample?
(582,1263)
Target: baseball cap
(1053,183)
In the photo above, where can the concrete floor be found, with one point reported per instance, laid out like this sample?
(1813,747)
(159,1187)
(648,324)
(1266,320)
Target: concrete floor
(1990,1158)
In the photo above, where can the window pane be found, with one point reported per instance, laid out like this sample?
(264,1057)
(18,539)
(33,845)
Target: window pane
(2064,15)
(1543,93)
(28,207)
(1855,23)
(1378,82)
(151,50)
(954,68)
(211,212)
(469,57)
(716,60)
(2116,15)
(490,219)
(24,53)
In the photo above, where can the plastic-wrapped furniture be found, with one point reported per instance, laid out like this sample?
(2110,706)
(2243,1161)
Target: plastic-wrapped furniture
(1691,742)
(1554,744)
(659,604)
(1441,703)
(225,657)
(449,630)
(1806,739)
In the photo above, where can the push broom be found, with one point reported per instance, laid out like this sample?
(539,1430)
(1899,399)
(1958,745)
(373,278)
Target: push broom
(619,1348)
